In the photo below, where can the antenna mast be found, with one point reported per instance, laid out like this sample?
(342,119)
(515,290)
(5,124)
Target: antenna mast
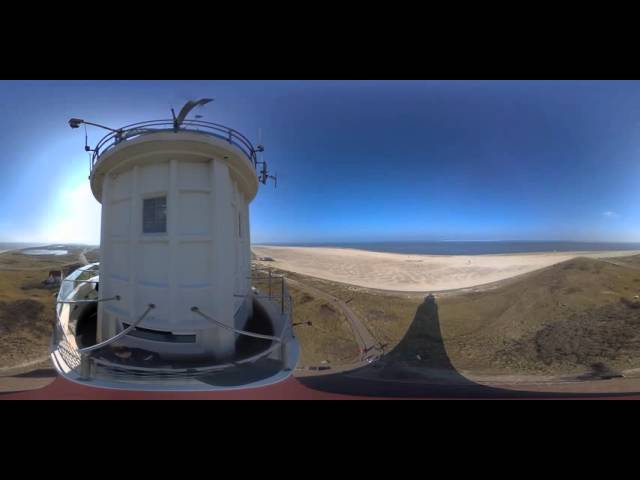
(263,176)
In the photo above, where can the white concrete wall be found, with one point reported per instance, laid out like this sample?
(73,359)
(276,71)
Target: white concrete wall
(203,260)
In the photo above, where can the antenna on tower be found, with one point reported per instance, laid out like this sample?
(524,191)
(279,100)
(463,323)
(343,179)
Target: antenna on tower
(263,176)
(263,172)
(259,147)
(87,148)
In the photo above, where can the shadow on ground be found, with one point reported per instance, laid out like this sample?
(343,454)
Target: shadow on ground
(419,366)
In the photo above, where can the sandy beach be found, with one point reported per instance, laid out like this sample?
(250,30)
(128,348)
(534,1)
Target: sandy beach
(413,273)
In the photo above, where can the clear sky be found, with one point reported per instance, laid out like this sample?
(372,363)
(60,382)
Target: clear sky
(356,160)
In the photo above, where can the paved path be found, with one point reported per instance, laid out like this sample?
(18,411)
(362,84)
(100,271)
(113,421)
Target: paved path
(82,258)
(368,345)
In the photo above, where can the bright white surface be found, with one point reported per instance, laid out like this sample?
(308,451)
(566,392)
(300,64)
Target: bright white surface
(416,273)
(200,261)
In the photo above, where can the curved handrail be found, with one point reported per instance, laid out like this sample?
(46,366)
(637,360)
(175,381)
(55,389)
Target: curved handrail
(117,337)
(278,342)
(85,353)
(237,330)
(152,126)
(196,371)
(92,300)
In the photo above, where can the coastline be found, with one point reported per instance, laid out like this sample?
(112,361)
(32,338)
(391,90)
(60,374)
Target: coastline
(414,272)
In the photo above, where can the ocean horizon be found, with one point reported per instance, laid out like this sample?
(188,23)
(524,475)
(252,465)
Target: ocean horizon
(447,247)
(468,247)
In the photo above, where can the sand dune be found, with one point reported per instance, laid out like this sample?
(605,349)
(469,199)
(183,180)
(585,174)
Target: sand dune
(412,273)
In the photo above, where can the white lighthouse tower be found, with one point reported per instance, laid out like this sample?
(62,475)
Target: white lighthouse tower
(175,234)
(175,273)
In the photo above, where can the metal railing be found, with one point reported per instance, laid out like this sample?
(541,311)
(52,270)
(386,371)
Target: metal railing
(187,372)
(118,336)
(86,354)
(82,275)
(154,126)
(237,331)
(90,300)
(86,361)
(271,282)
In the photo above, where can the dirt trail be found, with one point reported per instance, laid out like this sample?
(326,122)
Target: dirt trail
(369,347)
(81,258)
(16,369)
(365,340)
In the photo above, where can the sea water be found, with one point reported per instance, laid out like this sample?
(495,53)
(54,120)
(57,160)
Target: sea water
(474,247)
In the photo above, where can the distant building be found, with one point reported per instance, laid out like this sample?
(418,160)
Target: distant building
(55,277)
(266,259)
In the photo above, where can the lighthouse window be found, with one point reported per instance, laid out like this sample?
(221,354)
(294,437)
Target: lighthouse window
(154,215)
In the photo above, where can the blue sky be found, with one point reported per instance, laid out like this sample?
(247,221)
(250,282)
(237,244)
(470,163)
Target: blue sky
(356,160)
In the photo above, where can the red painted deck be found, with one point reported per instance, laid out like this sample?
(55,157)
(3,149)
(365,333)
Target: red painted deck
(291,389)
(62,389)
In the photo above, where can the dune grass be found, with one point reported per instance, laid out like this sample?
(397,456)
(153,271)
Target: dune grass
(27,306)
(562,319)
(558,320)
(328,339)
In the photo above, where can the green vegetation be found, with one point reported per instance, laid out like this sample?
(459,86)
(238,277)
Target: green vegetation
(564,319)
(27,305)
(568,318)
(328,338)
(386,314)
(92,255)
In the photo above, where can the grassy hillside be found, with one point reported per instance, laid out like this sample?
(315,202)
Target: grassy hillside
(328,338)
(563,319)
(27,306)
(386,314)
(567,318)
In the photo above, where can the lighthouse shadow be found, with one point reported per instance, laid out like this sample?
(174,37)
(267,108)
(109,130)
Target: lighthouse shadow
(421,355)
(419,366)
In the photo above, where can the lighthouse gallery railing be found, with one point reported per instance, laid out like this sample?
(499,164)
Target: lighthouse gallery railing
(83,357)
(154,126)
